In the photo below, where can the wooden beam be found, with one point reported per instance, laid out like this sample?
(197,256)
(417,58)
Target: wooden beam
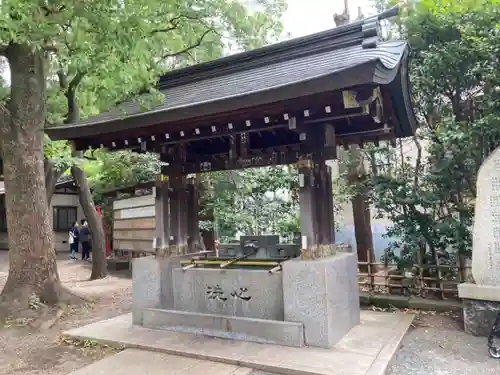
(152,140)
(251,161)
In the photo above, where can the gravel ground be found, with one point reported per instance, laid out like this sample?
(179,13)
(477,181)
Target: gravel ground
(25,351)
(438,346)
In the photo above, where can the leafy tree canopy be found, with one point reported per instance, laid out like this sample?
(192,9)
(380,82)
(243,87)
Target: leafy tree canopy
(73,59)
(109,50)
(101,54)
(426,186)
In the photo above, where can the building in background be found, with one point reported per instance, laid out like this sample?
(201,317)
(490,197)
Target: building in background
(65,209)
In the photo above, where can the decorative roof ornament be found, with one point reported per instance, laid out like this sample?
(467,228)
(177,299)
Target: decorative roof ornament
(343,18)
(360,16)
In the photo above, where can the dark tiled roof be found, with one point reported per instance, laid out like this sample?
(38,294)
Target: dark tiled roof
(265,70)
(264,78)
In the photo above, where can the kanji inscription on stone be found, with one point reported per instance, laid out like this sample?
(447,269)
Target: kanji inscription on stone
(486,231)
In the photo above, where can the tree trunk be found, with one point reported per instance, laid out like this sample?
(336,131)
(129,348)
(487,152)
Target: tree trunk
(51,178)
(361,210)
(32,258)
(363,228)
(99,265)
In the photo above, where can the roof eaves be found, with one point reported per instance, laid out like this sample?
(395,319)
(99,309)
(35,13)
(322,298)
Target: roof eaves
(367,31)
(314,86)
(389,59)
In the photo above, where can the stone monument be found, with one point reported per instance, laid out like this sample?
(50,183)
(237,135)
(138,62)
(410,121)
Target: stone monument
(481,300)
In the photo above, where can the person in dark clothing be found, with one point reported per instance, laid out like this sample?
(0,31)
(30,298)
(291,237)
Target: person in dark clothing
(73,239)
(84,238)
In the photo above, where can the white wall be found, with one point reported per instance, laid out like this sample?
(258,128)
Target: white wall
(60,239)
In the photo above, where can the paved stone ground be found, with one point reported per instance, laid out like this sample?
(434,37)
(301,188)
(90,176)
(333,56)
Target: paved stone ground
(150,363)
(437,345)
(366,349)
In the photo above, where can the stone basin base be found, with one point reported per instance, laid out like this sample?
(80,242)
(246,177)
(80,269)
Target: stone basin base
(227,327)
(311,302)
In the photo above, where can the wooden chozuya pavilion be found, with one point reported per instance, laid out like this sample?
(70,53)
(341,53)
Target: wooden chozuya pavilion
(291,102)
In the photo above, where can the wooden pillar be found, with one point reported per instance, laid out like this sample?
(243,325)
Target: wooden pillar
(178,215)
(314,215)
(326,205)
(162,217)
(356,175)
(195,242)
(307,209)
(330,141)
(315,196)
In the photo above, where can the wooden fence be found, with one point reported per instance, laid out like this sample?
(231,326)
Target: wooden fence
(437,280)
(134,231)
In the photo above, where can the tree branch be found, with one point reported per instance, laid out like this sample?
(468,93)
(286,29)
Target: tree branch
(67,29)
(174,22)
(187,49)
(73,85)
(418,162)
(70,89)
(49,11)
(50,48)
(63,82)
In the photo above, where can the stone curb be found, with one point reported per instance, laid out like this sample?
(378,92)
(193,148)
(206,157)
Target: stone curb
(402,302)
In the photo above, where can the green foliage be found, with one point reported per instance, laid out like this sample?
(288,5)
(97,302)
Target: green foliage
(122,169)
(59,153)
(426,186)
(102,53)
(254,201)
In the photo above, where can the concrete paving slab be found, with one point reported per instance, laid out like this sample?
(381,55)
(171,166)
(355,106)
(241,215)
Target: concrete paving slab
(143,362)
(365,350)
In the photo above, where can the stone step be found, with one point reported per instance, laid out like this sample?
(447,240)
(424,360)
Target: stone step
(228,327)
